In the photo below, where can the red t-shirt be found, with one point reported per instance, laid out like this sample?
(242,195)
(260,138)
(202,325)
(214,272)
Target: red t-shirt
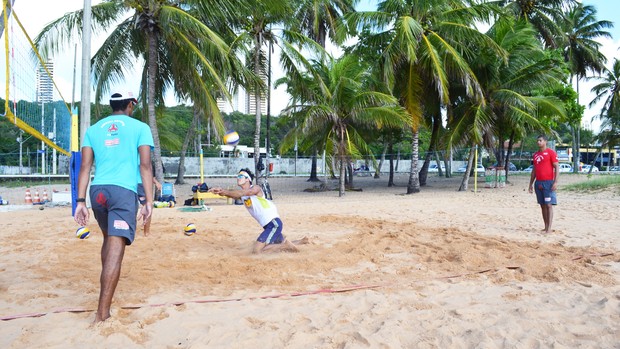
(543,164)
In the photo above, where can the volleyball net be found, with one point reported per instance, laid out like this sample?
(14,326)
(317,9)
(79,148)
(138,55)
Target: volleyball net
(32,100)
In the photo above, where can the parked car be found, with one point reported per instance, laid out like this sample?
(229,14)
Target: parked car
(511,166)
(433,167)
(614,169)
(586,169)
(563,168)
(480,169)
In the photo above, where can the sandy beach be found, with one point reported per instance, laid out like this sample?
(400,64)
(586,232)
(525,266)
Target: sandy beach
(437,269)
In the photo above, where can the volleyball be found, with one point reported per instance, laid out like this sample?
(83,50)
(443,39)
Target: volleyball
(190,229)
(82,233)
(231,138)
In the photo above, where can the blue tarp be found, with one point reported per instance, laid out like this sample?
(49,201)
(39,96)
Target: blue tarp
(74,171)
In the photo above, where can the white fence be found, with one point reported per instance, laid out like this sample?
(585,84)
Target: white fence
(230,166)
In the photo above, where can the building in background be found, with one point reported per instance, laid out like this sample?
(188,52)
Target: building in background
(250,103)
(45,84)
(244,101)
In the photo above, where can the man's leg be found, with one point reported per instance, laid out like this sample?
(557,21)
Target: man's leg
(285,246)
(147,225)
(112,252)
(258,247)
(549,220)
(545,216)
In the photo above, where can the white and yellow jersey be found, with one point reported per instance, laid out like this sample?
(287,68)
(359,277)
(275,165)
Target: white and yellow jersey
(263,210)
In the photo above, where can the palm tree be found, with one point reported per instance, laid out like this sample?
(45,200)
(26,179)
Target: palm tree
(608,91)
(426,45)
(318,20)
(583,55)
(335,107)
(511,106)
(257,34)
(545,15)
(178,50)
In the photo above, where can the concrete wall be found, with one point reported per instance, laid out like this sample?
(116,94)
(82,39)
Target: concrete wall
(230,166)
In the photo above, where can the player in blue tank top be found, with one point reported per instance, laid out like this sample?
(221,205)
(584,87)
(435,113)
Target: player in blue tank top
(116,145)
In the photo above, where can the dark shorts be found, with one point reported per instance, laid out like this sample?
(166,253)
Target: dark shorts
(272,233)
(115,209)
(141,194)
(544,194)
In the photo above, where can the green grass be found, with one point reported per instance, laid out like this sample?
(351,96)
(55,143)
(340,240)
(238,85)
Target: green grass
(595,184)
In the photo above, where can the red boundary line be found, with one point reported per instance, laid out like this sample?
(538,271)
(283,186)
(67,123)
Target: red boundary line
(277,295)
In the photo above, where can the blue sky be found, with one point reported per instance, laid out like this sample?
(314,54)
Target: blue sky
(608,10)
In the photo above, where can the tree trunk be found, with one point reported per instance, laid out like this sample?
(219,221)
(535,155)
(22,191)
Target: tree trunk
(397,157)
(413,186)
(391,176)
(378,169)
(438,161)
(152,77)
(448,161)
(470,161)
(347,177)
(335,163)
(341,188)
(594,162)
(191,132)
(313,173)
(508,152)
(575,150)
(431,148)
(424,170)
(350,174)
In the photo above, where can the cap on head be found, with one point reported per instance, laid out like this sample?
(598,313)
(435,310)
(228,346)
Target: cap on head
(123,97)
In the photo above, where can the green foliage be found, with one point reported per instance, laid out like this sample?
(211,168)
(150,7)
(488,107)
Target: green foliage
(587,137)
(212,151)
(9,147)
(173,124)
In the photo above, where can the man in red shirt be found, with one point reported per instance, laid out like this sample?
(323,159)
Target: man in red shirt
(545,172)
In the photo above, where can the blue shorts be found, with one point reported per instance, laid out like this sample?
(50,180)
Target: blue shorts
(544,194)
(272,233)
(115,210)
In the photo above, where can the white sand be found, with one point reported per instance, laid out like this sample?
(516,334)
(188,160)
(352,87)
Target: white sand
(438,269)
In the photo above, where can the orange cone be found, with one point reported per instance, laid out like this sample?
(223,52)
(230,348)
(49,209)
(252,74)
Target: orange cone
(28,198)
(36,198)
(44,198)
